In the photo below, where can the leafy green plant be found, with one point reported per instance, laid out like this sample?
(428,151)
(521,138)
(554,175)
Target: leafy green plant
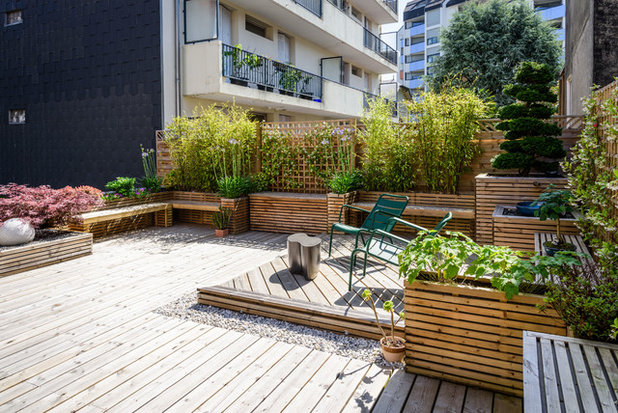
(233,186)
(122,185)
(586,300)
(613,334)
(344,182)
(388,306)
(151,183)
(452,257)
(280,164)
(214,143)
(221,218)
(555,204)
(530,140)
(444,128)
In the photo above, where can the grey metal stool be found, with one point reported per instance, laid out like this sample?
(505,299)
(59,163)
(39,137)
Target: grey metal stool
(304,255)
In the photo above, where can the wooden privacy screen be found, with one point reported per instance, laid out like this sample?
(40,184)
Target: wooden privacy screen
(488,137)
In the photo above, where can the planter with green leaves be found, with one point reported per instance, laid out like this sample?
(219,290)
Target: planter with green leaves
(555,205)
(467,307)
(393,347)
(221,220)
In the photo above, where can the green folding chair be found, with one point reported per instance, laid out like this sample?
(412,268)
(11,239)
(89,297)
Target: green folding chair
(386,246)
(388,206)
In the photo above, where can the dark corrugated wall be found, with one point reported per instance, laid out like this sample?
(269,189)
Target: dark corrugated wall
(88,75)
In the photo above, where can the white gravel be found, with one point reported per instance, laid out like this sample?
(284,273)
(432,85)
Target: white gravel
(187,308)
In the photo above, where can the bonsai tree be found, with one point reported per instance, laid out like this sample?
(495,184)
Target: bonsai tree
(391,345)
(531,141)
(554,204)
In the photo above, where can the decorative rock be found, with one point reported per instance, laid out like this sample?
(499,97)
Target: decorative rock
(16,231)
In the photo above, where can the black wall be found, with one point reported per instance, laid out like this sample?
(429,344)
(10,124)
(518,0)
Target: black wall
(88,74)
(605,39)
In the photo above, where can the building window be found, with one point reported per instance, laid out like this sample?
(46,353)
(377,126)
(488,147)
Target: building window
(432,57)
(408,75)
(433,40)
(430,71)
(356,14)
(285,118)
(356,71)
(17,116)
(13,17)
(408,58)
(407,41)
(257,27)
(408,25)
(416,40)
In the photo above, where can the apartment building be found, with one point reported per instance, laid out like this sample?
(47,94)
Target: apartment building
(84,83)
(418,39)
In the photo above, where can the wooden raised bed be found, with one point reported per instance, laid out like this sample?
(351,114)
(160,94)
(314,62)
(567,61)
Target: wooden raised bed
(239,221)
(472,335)
(17,259)
(518,231)
(493,190)
(288,212)
(335,202)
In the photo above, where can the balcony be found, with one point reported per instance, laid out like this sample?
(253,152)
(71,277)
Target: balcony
(218,72)
(314,6)
(416,66)
(552,13)
(376,44)
(416,30)
(335,31)
(380,11)
(415,83)
(416,48)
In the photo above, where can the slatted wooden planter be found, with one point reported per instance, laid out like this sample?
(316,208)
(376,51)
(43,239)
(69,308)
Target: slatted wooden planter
(335,202)
(518,232)
(239,222)
(427,209)
(124,202)
(288,212)
(472,335)
(493,190)
(40,254)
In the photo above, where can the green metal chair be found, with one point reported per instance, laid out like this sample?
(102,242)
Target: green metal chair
(388,206)
(382,245)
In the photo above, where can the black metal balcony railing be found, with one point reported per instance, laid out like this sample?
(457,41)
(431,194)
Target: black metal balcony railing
(376,44)
(250,69)
(314,6)
(392,4)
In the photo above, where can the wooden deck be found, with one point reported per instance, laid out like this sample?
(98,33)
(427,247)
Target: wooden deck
(82,335)
(271,290)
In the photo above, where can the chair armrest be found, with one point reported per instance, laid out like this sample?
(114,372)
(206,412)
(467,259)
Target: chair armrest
(408,224)
(351,207)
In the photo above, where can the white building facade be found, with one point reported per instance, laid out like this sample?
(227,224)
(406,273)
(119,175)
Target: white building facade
(287,60)
(418,40)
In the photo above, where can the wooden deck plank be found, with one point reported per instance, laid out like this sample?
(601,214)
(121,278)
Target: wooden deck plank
(478,401)
(422,395)
(507,404)
(598,377)
(395,394)
(450,398)
(344,387)
(567,385)
(550,379)
(367,393)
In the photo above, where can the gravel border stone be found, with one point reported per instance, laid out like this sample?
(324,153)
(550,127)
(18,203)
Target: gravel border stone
(187,308)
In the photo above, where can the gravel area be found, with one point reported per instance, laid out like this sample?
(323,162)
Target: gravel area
(186,308)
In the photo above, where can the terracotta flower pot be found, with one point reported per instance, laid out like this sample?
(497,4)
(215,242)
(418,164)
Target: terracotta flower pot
(393,353)
(220,233)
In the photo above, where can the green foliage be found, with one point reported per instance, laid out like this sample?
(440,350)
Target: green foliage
(444,127)
(389,307)
(554,204)
(151,183)
(346,181)
(454,256)
(122,185)
(216,142)
(221,218)
(485,42)
(614,330)
(233,186)
(388,162)
(586,299)
(531,141)
(280,159)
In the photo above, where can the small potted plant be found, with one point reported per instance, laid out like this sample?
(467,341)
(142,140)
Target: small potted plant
(221,220)
(393,347)
(555,204)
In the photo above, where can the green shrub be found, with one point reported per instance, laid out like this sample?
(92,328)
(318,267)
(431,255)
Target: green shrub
(221,218)
(444,127)
(531,142)
(151,183)
(122,185)
(344,182)
(233,186)
(214,143)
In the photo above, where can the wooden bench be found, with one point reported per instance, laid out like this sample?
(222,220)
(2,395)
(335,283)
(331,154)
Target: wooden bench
(94,217)
(569,374)
(427,211)
(195,205)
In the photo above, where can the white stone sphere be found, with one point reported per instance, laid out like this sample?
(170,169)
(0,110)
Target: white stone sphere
(16,231)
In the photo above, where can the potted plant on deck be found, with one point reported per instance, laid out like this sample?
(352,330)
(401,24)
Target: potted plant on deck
(555,204)
(221,221)
(393,347)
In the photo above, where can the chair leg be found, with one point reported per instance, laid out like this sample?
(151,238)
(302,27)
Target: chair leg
(330,244)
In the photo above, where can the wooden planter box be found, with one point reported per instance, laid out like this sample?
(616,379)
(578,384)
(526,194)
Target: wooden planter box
(239,221)
(125,202)
(335,202)
(494,190)
(288,212)
(472,335)
(518,232)
(21,258)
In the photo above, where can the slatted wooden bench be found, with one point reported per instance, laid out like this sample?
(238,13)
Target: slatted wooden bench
(195,205)
(568,374)
(427,211)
